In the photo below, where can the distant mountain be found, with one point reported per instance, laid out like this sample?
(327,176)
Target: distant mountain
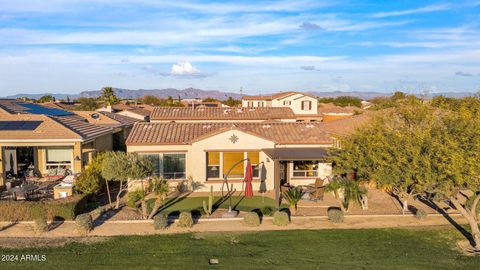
(164,93)
(189,93)
(37,96)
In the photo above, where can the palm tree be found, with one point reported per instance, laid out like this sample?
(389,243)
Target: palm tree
(293,196)
(351,189)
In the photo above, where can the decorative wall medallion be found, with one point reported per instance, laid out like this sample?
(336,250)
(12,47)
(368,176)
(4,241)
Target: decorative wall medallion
(233,138)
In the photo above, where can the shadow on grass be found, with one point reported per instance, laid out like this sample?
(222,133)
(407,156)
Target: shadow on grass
(457,226)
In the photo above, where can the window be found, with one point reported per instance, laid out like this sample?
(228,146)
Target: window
(213,165)
(168,165)
(174,166)
(155,159)
(220,163)
(287,102)
(250,104)
(58,159)
(305,168)
(306,105)
(261,104)
(254,160)
(229,160)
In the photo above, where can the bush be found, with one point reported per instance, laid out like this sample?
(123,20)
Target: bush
(267,211)
(185,220)
(133,197)
(84,222)
(252,219)
(41,224)
(160,221)
(90,180)
(421,214)
(66,208)
(281,218)
(335,214)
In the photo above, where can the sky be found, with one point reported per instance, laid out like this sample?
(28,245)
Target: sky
(68,46)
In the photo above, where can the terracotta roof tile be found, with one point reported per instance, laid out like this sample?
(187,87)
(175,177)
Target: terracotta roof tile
(186,133)
(207,113)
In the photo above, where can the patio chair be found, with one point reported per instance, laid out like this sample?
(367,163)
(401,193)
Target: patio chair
(319,189)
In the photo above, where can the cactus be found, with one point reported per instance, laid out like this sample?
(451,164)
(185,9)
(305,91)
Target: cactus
(208,208)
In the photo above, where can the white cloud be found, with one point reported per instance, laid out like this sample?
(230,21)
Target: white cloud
(184,68)
(426,9)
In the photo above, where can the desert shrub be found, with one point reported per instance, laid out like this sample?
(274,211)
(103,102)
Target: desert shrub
(133,197)
(252,219)
(160,221)
(65,208)
(185,220)
(421,214)
(39,216)
(84,222)
(280,218)
(335,214)
(267,211)
(91,180)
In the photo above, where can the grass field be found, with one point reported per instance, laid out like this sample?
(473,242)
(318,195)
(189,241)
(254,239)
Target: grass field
(322,249)
(176,205)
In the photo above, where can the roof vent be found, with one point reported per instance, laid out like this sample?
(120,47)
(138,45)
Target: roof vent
(226,111)
(147,127)
(239,110)
(266,126)
(251,110)
(95,116)
(207,126)
(309,126)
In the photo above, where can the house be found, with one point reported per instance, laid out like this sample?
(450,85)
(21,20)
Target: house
(281,153)
(211,115)
(332,112)
(203,104)
(300,103)
(141,112)
(38,142)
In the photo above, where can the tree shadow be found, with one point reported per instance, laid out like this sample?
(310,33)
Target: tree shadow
(56,222)
(13,223)
(441,211)
(106,216)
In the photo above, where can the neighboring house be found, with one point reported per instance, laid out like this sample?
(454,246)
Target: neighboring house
(121,125)
(332,112)
(37,141)
(300,103)
(281,153)
(210,115)
(212,104)
(140,112)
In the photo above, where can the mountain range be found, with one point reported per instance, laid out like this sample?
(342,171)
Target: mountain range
(190,93)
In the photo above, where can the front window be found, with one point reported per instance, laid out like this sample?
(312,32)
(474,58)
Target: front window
(58,160)
(220,164)
(174,166)
(305,168)
(287,102)
(168,165)
(229,160)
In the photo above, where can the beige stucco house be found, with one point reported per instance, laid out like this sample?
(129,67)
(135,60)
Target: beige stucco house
(280,152)
(301,104)
(41,142)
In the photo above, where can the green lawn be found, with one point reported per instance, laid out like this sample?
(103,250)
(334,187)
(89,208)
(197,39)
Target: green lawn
(176,205)
(321,249)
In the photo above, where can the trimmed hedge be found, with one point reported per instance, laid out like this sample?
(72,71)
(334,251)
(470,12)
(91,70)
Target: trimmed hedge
(66,208)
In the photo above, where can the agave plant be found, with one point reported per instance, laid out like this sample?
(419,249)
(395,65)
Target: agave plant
(293,196)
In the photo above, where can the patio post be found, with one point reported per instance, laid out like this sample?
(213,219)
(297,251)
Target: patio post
(2,168)
(276,180)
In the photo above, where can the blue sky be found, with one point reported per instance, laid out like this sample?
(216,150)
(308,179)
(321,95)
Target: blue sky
(262,46)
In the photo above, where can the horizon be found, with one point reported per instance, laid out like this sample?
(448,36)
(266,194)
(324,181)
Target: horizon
(311,46)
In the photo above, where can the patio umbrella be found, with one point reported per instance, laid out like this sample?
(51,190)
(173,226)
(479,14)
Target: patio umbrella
(248,180)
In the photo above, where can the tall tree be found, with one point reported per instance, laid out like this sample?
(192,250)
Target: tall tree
(108,96)
(47,98)
(125,167)
(416,149)
(87,104)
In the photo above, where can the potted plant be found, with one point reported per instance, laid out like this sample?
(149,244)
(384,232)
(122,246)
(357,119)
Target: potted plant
(293,196)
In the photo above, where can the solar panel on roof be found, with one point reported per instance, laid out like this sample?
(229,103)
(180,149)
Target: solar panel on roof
(38,109)
(19,125)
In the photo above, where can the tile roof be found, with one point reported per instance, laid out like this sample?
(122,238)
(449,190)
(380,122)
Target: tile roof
(42,127)
(186,133)
(212,113)
(140,111)
(125,120)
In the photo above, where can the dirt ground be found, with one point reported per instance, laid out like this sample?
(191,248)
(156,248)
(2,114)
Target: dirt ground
(114,228)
